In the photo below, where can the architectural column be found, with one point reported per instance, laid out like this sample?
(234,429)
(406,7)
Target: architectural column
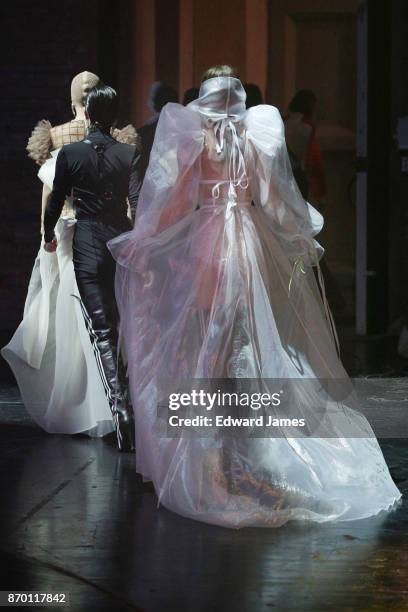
(256,43)
(143,58)
(186,63)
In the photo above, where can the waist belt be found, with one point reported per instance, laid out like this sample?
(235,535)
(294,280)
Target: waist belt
(111,217)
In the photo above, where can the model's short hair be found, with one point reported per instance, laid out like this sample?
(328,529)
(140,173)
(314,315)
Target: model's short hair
(220,70)
(102,106)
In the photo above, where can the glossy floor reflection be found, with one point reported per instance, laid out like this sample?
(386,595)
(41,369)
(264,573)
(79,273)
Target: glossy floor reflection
(75,517)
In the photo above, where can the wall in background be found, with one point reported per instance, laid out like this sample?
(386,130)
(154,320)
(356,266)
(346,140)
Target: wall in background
(46,44)
(176,41)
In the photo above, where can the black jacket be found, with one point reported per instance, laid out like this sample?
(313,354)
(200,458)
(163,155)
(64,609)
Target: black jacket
(99,184)
(147,133)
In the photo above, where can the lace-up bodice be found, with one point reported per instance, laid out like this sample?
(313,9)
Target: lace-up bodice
(223,166)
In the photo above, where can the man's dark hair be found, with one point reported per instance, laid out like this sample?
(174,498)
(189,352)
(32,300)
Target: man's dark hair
(190,95)
(253,95)
(303,102)
(161,94)
(102,106)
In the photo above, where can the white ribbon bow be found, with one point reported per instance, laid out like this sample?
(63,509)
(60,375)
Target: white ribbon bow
(236,167)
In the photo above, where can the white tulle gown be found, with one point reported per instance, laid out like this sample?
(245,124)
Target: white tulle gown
(50,353)
(216,280)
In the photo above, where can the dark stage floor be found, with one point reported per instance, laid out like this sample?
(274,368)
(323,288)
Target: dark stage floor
(75,517)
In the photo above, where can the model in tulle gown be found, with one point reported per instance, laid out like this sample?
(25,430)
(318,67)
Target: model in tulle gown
(50,353)
(216,281)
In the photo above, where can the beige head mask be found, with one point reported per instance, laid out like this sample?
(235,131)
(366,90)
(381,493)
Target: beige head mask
(81,85)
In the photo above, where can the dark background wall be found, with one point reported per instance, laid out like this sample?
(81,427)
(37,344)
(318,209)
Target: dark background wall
(43,46)
(221,40)
(167,18)
(397,186)
(387,210)
(379,142)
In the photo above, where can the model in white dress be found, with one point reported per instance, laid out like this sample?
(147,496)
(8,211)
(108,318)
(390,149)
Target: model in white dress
(216,281)
(50,353)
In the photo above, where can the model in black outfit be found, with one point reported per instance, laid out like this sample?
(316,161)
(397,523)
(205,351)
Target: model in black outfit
(102,174)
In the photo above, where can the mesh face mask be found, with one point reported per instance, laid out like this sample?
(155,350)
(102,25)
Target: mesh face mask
(81,85)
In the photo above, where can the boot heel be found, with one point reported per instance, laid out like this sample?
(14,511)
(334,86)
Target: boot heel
(125,431)
(128,442)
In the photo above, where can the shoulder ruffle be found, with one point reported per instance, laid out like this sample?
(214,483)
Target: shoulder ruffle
(39,143)
(127,135)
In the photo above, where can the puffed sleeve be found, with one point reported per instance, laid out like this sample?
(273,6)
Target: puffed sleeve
(293,220)
(39,143)
(170,186)
(128,135)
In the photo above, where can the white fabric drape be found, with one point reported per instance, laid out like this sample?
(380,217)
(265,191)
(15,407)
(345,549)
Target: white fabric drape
(216,281)
(50,353)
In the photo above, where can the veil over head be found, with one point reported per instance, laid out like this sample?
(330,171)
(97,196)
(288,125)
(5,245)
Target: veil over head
(220,98)
(256,166)
(171,185)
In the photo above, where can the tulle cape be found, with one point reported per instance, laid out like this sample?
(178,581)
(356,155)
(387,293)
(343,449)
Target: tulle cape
(216,281)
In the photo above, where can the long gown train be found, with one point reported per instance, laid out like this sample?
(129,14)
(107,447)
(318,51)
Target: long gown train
(216,281)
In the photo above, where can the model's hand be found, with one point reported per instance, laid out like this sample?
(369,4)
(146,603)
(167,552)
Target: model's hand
(51,247)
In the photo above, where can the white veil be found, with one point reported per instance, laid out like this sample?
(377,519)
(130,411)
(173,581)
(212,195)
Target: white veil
(171,187)
(178,143)
(216,281)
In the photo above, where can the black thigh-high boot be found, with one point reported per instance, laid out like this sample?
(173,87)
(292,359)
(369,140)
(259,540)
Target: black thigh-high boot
(95,272)
(113,377)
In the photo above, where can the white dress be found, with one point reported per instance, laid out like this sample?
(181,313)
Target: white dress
(50,353)
(216,281)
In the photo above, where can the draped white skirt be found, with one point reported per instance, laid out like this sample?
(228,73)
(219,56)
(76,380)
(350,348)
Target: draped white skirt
(214,296)
(51,354)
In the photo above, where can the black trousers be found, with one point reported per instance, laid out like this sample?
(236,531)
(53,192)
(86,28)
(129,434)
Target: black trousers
(95,276)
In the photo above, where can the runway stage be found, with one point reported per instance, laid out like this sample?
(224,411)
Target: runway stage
(75,517)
